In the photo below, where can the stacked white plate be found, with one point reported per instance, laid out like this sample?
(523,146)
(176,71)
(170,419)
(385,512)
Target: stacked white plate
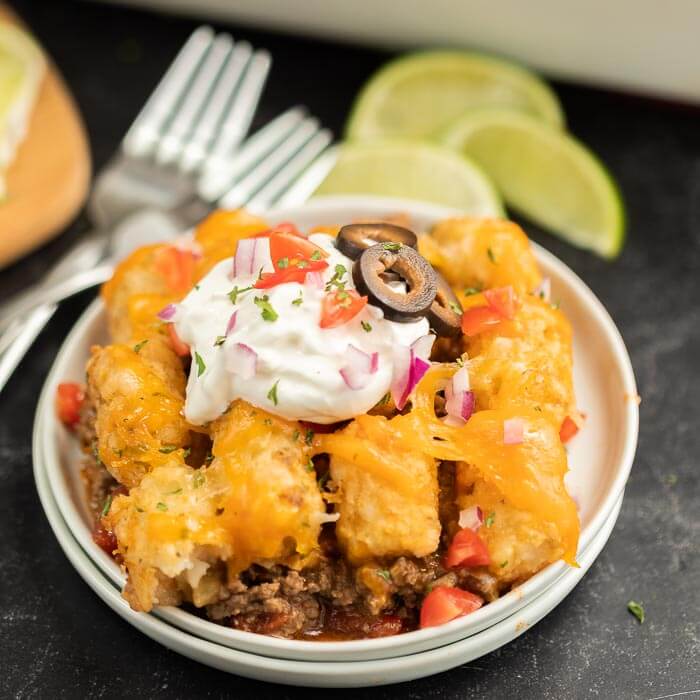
(600,459)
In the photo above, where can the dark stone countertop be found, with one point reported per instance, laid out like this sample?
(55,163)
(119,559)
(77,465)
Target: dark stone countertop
(57,640)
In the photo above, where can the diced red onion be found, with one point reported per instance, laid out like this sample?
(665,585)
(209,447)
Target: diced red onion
(314,279)
(252,255)
(231,323)
(471,518)
(360,368)
(544,290)
(459,400)
(513,431)
(167,313)
(459,406)
(423,345)
(242,360)
(408,371)
(245,255)
(460,380)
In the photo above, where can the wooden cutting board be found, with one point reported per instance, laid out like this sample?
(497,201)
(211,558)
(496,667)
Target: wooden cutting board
(49,178)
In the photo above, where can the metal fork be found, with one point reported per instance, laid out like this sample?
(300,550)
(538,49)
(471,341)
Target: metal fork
(211,87)
(181,164)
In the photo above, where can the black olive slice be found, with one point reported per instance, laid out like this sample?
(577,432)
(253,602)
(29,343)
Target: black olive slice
(445,314)
(354,238)
(413,269)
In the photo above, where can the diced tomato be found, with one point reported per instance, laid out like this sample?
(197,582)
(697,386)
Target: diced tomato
(467,549)
(180,348)
(443,604)
(292,273)
(69,399)
(568,429)
(177,267)
(340,306)
(104,539)
(293,247)
(283,227)
(478,319)
(502,300)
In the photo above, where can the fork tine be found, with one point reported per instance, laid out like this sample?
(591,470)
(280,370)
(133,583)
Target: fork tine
(237,122)
(194,100)
(289,172)
(307,183)
(197,147)
(245,188)
(220,173)
(144,131)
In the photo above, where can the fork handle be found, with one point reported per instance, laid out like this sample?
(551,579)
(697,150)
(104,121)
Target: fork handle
(84,255)
(48,294)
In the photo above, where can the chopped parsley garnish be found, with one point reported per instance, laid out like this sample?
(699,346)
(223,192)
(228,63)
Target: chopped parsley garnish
(139,509)
(460,362)
(309,437)
(167,449)
(161,506)
(174,492)
(504,564)
(323,479)
(489,519)
(272,394)
(469,291)
(301,264)
(107,505)
(316,255)
(336,280)
(492,257)
(391,246)
(233,294)
(456,308)
(198,480)
(295,435)
(283,263)
(385,574)
(366,327)
(556,305)
(266,310)
(138,346)
(310,465)
(299,300)
(187,452)
(637,610)
(209,458)
(220,340)
(201,367)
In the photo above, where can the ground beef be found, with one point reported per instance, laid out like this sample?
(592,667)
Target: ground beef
(330,600)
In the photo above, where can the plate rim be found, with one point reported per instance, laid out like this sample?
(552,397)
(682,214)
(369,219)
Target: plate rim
(298,672)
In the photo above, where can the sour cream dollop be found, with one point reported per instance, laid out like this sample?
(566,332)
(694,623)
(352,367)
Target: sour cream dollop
(297,372)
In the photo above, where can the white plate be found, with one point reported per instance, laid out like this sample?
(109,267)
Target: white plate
(600,457)
(336,674)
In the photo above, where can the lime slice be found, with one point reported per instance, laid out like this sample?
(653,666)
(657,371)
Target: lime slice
(414,170)
(21,70)
(546,175)
(420,95)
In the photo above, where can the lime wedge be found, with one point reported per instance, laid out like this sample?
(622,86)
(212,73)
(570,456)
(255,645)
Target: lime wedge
(21,70)
(546,175)
(421,94)
(414,170)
